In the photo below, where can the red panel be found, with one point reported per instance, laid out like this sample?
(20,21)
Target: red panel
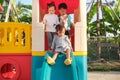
(22,64)
(46,42)
(15,54)
(72,4)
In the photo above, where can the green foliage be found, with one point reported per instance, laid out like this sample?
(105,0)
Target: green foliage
(111,22)
(111,19)
(91,14)
(25,18)
(1,1)
(20,5)
(24,13)
(21,13)
(93,28)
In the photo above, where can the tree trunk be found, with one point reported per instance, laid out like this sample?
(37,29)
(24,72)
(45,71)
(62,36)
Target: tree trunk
(98,29)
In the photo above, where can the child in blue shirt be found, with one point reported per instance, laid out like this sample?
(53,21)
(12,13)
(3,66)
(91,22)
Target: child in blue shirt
(60,44)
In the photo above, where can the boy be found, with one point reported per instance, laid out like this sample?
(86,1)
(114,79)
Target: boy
(65,19)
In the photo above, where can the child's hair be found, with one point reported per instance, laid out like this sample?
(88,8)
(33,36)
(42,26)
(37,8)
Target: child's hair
(62,5)
(52,4)
(59,27)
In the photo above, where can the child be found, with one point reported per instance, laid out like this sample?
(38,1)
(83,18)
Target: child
(60,44)
(50,20)
(64,18)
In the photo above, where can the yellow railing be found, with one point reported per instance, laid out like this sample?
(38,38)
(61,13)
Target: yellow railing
(15,38)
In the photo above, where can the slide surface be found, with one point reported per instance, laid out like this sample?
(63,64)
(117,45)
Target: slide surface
(59,71)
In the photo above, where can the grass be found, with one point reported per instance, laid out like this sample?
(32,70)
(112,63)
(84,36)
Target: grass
(104,66)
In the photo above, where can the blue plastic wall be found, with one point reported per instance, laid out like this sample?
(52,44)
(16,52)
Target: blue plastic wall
(81,67)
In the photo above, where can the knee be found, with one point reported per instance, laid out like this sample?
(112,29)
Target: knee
(68,50)
(56,53)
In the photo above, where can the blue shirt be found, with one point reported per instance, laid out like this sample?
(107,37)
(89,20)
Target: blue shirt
(60,44)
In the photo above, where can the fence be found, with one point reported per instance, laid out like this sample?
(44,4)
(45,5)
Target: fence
(110,50)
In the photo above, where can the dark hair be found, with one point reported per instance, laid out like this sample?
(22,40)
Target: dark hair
(59,27)
(62,5)
(52,4)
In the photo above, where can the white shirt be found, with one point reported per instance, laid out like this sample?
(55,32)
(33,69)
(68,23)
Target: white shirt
(50,21)
(64,21)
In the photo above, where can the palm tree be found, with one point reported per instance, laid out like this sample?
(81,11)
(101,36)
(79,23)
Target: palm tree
(108,24)
(98,28)
(7,13)
(24,12)
(112,18)
(18,13)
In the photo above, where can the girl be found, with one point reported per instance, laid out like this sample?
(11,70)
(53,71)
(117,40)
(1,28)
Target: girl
(50,20)
(60,44)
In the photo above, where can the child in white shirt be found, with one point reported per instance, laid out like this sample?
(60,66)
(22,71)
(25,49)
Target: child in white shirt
(50,20)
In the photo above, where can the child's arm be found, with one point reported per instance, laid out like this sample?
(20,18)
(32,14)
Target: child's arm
(44,21)
(57,20)
(71,21)
(68,40)
(72,24)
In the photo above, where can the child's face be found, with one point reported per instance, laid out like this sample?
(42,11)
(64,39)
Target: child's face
(62,11)
(61,33)
(51,10)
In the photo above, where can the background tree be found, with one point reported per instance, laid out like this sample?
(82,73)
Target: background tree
(24,12)
(108,23)
(18,13)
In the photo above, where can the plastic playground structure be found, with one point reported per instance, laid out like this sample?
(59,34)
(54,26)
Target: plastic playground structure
(23,46)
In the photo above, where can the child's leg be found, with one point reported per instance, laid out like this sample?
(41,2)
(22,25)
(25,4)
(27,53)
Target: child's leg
(50,60)
(68,61)
(55,55)
(49,35)
(68,53)
(52,33)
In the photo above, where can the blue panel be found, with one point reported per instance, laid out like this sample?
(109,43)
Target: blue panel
(81,62)
(59,71)
(42,71)
(36,65)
